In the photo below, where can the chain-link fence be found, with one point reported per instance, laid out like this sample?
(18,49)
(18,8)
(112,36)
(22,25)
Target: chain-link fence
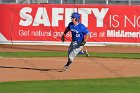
(126,2)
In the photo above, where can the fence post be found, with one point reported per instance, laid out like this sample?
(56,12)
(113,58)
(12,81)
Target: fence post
(107,2)
(83,1)
(47,1)
(28,1)
(129,2)
(16,1)
(61,1)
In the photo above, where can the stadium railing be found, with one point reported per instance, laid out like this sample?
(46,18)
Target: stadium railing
(108,2)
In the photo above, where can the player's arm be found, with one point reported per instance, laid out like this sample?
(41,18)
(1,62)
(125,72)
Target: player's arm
(86,33)
(63,36)
(66,31)
(85,39)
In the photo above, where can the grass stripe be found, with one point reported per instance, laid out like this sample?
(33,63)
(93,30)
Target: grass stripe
(114,85)
(64,54)
(117,55)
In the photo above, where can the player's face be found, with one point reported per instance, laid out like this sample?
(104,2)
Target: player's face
(73,20)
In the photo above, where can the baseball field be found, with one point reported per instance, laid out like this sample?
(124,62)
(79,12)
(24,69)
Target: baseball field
(38,69)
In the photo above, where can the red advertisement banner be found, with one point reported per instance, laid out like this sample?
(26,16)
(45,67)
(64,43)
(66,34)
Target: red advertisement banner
(47,22)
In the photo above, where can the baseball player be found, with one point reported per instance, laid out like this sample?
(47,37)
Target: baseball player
(80,36)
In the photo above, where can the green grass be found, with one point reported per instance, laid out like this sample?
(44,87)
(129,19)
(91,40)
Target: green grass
(114,85)
(33,54)
(117,55)
(64,54)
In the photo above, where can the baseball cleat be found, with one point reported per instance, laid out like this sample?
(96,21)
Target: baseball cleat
(86,53)
(65,68)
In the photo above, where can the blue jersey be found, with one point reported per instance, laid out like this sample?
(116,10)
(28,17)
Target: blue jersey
(78,31)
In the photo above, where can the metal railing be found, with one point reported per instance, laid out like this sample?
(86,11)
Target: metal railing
(126,2)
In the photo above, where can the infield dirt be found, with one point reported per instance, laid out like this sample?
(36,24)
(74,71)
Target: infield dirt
(49,68)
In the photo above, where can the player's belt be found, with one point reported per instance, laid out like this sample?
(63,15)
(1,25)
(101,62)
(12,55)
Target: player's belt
(76,41)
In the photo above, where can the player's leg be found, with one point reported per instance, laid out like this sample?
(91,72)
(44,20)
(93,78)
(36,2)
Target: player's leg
(67,65)
(69,60)
(73,50)
(81,53)
(76,48)
(84,52)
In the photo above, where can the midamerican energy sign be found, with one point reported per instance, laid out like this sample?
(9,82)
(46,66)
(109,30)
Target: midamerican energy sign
(47,22)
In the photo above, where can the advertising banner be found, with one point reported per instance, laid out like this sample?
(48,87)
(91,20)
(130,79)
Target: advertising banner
(47,22)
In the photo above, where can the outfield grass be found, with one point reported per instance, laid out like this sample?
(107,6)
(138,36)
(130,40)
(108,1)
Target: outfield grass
(114,85)
(64,54)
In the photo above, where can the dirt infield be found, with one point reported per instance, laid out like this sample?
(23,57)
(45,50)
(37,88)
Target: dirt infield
(49,68)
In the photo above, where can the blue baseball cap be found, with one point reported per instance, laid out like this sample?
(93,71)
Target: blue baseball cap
(76,15)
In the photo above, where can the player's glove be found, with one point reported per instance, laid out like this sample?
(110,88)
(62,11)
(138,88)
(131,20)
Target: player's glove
(83,43)
(63,38)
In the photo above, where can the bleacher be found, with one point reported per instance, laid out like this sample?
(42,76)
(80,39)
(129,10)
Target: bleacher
(120,2)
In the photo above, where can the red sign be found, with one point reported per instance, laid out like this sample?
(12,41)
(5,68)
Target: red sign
(47,22)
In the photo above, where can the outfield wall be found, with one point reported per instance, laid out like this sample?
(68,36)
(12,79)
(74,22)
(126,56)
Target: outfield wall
(45,23)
